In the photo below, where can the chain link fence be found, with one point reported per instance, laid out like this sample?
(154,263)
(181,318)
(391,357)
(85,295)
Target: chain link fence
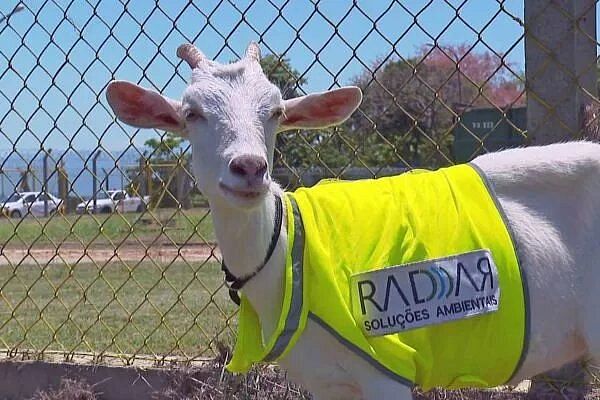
(121,263)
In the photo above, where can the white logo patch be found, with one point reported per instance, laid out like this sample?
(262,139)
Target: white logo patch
(404,297)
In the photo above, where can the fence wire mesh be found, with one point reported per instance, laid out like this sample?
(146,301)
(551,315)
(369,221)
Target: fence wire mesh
(108,250)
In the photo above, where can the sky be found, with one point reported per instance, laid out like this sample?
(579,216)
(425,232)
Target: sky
(57,56)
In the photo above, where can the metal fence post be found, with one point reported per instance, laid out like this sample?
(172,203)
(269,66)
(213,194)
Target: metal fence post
(45,182)
(148,171)
(560,62)
(95,181)
(63,185)
(34,178)
(121,174)
(143,188)
(183,192)
(560,66)
(106,181)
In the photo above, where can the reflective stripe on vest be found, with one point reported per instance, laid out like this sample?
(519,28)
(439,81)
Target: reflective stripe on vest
(440,213)
(250,348)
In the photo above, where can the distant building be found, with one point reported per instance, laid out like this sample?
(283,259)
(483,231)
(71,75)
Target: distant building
(483,130)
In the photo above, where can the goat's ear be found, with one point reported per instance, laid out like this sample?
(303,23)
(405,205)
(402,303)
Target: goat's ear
(144,108)
(319,110)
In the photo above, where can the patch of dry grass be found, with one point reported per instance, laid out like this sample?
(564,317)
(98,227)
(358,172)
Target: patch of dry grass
(215,383)
(69,390)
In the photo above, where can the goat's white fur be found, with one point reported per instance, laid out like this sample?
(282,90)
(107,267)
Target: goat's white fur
(551,196)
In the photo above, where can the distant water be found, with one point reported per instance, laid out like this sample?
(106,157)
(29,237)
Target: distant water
(112,166)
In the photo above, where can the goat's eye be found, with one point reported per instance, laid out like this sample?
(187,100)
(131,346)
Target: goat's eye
(191,116)
(277,113)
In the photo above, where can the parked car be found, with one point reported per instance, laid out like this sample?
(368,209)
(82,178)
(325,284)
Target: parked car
(112,201)
(21,204)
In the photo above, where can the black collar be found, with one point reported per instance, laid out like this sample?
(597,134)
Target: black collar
(234,283)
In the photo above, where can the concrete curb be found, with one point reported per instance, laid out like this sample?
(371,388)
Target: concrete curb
(22,379)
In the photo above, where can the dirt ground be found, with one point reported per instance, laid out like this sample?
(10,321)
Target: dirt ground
(266,384)
(129,252)
(212,381)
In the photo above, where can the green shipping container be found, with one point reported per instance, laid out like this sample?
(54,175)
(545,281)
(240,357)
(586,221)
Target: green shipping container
(484,130)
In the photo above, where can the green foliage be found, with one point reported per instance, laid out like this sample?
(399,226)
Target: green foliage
(304,149)
(281,73)
(325,148)
(409,111)
(165,148)
(403,122)
(411,105)
(159,176)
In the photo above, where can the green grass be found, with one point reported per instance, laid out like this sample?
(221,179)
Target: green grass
(185,226)
(118,308)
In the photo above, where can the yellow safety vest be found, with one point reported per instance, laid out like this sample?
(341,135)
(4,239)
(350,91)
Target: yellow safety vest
(434,224)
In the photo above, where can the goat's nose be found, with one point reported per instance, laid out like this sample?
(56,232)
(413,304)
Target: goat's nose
(248,166)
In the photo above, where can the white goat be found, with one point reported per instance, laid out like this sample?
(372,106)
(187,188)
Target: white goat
(231,114)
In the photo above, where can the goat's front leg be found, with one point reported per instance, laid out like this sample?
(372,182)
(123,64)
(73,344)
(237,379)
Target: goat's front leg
(386,390)
(375,385)
(332,371)
(383,389)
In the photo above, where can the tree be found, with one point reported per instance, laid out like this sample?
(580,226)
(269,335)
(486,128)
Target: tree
(411,106)
(482,79)
(400,111)
(281,73)
(301,149)
(161,170)
(165,148)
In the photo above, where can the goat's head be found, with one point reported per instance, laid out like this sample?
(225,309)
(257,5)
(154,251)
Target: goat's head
(230,114)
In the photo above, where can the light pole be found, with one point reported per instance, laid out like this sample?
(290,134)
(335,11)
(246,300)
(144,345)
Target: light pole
(18,7)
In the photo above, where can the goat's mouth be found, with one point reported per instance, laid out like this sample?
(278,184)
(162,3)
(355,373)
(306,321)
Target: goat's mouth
(245,194)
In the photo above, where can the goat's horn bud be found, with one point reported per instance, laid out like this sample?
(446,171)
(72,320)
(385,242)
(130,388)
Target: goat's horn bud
(253,52)
(190,54)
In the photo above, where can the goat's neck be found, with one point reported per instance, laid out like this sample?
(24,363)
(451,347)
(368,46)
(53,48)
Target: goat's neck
(244,237)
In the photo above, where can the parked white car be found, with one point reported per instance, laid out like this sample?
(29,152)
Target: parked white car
(21,204)
(113,200)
